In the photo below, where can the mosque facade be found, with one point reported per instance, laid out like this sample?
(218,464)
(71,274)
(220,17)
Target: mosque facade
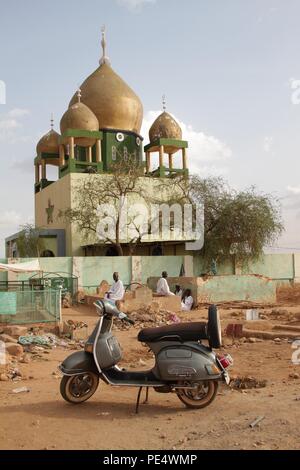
(100,127)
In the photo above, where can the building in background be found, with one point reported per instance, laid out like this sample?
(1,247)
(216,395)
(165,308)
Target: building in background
(101,125)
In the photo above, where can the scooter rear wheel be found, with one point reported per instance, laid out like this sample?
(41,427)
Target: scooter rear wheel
(78,388)
(200,397)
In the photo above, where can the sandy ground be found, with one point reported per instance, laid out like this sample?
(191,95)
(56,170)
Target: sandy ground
(41,419)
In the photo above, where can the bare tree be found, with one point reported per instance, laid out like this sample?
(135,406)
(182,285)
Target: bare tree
(29,243)
(92,193)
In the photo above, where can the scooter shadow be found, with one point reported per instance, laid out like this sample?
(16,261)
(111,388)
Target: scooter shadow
(104,411)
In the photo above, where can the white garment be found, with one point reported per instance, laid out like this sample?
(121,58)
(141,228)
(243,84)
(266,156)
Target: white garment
(163,287)
(187,303)
(179,293)
(117,291)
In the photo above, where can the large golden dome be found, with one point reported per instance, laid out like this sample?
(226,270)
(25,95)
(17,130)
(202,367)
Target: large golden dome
(165,127)
(49,143)
(114,103)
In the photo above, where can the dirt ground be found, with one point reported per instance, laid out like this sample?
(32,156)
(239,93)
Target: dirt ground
(41,419)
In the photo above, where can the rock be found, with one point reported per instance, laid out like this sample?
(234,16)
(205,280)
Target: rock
(294,375)
(26,359)
(15,331)
(154,308)
(4,378)
(277,340)
(279,311)
(8,339)
(14,349)
(252,340)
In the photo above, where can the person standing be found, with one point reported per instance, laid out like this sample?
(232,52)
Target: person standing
(163,286)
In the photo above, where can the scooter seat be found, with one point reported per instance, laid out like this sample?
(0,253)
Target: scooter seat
(177,332)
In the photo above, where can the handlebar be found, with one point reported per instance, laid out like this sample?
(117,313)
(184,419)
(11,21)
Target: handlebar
(124,317)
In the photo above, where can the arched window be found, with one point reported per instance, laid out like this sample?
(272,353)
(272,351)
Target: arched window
(47,254)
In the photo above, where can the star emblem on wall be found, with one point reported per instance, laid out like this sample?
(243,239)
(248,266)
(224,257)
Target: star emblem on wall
(49,212)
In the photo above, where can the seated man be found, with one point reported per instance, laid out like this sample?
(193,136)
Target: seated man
(163,286)
(117,291)
(187,300)
(178,291)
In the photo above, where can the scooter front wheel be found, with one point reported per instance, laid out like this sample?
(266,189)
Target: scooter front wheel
(200,396)
(78,388)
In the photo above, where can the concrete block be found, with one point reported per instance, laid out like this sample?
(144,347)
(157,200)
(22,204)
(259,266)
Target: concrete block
(170,302)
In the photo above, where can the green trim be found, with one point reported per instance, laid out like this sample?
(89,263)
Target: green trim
(168,143)
(76,166)
(81,133)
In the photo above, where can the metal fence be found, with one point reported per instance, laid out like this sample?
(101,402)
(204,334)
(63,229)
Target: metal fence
(31,306)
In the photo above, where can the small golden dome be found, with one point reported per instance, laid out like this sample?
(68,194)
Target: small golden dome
(80,117)
(165,127)
(49,143)
(114,103)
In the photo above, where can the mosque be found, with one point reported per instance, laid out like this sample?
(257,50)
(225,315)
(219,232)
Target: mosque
(102,123)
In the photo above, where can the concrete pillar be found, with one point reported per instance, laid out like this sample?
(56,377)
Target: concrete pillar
(61,155)
(71,146)
(148,162)
(89,154)
(37,173)
(188,263)
(184,163)
(161,155)
(98,151)
(170,161)
(297,267)
(44,175)
(136,269)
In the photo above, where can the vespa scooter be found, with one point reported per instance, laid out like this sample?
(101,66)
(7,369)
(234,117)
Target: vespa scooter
(183,364)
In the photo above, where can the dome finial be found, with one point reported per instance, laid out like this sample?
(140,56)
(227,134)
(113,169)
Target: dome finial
(52,121)
(104,59)
(79,94)
(164,103)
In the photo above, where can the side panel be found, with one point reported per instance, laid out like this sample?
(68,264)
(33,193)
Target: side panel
(185,362)
(78,363)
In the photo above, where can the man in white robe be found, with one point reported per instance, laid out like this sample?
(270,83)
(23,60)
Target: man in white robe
(163,286)
(117,291)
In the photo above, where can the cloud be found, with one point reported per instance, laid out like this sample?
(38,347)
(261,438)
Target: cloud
(10,123)
(205,152)
(135,4)
(10,218)
(18,112)
(268,144)
(294,190)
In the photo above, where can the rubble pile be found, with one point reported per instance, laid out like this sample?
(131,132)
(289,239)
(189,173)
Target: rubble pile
(148,317)
(245,383)
(23,345)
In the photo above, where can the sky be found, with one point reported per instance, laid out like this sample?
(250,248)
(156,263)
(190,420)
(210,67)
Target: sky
(230,71)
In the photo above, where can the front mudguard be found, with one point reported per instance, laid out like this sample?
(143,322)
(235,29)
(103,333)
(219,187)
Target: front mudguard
(78,363)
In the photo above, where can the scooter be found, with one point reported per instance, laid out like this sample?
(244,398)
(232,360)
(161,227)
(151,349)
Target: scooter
(183,365)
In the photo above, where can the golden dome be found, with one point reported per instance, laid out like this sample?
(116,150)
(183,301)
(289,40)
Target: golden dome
(114,103)
(165,127)
(80,117)
(49,143)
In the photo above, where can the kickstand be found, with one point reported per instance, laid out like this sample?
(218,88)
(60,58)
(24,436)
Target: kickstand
(147,395)
(138,400)
(139,397)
